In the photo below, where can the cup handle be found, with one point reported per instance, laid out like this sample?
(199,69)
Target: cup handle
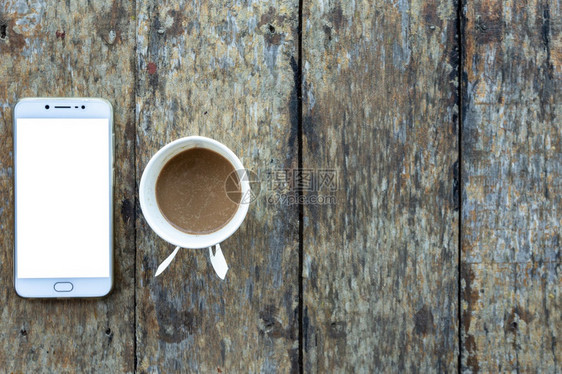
(166,262)
(218,261)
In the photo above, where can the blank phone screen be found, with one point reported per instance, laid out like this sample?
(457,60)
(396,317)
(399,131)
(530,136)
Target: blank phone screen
(63,198)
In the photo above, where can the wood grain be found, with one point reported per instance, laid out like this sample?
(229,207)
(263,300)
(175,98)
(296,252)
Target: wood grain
(512,172)
(380,276)
(80,48)
(222,70)
(380,265)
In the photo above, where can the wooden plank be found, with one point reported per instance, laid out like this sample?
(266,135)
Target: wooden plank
(380,265)
(222,70)
(512,170)
(77,48)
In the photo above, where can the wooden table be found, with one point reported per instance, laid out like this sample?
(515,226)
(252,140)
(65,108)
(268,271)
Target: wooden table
(436,247)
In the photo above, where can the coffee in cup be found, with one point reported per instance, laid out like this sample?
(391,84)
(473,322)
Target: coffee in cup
(208,209)
(198,191)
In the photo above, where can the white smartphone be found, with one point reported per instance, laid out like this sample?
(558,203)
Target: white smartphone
(63,183)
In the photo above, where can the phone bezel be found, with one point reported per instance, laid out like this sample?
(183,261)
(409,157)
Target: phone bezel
(93,108)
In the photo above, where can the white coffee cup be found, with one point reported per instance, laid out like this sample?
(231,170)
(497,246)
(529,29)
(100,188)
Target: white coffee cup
(155,218)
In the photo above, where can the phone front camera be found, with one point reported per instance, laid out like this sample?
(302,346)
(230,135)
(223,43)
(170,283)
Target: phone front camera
(83,107)
(47,107)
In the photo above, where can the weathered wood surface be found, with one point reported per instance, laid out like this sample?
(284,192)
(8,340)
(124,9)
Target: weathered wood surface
(380,265)
(222,70)
(512,173)
(380,106)
(77,48)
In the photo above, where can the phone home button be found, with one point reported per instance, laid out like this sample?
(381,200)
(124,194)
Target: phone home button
(63,286)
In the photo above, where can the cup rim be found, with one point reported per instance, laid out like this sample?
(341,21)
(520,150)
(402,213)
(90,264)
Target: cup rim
(156,219)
